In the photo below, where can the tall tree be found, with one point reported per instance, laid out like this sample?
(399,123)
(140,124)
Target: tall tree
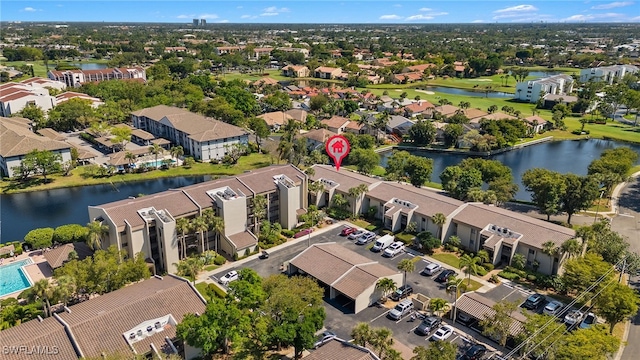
(423,132)
(361,334)
(580,193)
(97,231)
(616,303)
(550,249)
(365,160)
(42,290)
(437,350)
(439,219)
(381,340)
(539,333)
(386,285)
(593,343)
(176,152)
(183,226)
(547,188)
(259,211)
(406,265)
(356,194)
(470,264)
(498,325)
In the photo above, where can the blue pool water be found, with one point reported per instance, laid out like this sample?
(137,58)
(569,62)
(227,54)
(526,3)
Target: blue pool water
(157,163)
(13,278)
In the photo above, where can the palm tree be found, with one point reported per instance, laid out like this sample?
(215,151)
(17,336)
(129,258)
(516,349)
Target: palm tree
(381,340)
(131,158)
(438,305)
(339,202)
(464,105)
(190,267)
(97,230)
(259,211)
(218,228)
(156,150)
(176,152)
(66,287)
(439,219)
(361,334)
(571,247)
(470,265)
(386,285)
(484,256)
(355,193)
(208,216)
(183,225)
(455,286)
(406,265)
(549,248)
(43,290)
(200,225)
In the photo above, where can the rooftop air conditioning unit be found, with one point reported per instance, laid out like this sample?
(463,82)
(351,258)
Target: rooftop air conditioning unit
(139,332)
(493,227)
(157,324)
(143,213)
(132,336)
(149,328)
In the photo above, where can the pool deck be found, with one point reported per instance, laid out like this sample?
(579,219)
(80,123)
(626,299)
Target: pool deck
(35,271)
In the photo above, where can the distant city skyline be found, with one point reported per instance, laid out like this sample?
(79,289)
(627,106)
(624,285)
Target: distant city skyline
(323,11)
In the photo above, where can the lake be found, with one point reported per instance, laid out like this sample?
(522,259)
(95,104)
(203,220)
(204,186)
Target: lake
(20,213)
(89,66)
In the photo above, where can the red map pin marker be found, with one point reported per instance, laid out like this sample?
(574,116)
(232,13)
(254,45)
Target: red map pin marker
(337,148)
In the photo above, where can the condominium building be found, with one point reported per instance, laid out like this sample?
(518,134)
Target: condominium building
(148,224)
(203,138)
(14,96)
(75,78)
(608,74)
(532,90)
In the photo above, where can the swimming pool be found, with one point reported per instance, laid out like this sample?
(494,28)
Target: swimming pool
(13,277)
(157,163)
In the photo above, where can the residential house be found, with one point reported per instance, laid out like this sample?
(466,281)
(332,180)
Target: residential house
(532,90)
(303,51)
(298,114)
(14,96)
(536,124)
(259,52)
(17,139)
(68,95)
(148,224)
(265,81)
(317,138)
(299,71)
(418,68)
(446,110)
(419,107)
(137,320)
(336,348)
(325,72)
(608,74)
(75,78)
(404,78)
(276,119)
(337,124)
(503,233)
(221,50)
(203,138)
(399,125)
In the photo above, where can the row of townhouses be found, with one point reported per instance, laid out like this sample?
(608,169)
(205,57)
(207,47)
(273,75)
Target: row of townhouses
(148,224)
(75,78)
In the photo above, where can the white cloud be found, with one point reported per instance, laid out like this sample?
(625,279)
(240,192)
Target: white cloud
(222,21)
(185,16)
(390,17)
(478,21)
(270,14)
(419,17)
(612,5)
(517,8)
(273,11)
(29,9)
(425,9)
(597,17)
(208,16)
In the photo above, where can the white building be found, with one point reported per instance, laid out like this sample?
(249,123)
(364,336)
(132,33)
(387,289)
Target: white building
(531,91)
(14,96)
(203,138)
(75,78)
(607,74)
(18,139)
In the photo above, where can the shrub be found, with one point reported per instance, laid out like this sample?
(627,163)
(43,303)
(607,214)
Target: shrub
(70,233)
(488,266)
(247,252)
(531,277)
(494,279)
(214,290)
(288,233)
(481,271)
(17,248)
(39,238)
(509,275)
(235,257)
(219,260)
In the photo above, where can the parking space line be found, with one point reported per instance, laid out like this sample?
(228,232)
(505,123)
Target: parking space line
(452,340)
(402,318)
(379,316)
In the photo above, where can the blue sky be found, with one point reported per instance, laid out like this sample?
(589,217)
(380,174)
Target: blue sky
(323,11)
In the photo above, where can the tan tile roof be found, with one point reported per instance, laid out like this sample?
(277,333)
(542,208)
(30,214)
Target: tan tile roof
(479,307)
(335,121)
(494,116)
(98,324)
(447,110)
(298,114)
(198,127)
(49,333)
(346,270)
(275,118)
(265,81)
(418,106)
(429,202)
(58,256)
(419,68)
(160,141)
(16,140)
(326,69)
(243,240)
(531,119)
(51,134)
(142,134)
(346,179)
(474,113)
(340,350)
(534,232)
(261,180)
(319,135)
(198,192)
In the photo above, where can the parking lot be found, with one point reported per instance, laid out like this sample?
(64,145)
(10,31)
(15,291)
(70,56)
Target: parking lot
(340,320)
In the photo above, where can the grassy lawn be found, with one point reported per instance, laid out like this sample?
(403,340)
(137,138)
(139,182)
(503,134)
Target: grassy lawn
(447,258)
(404,237)
(275,74)
(633,170)
(40,70)
(473,285)
(252,161)
(211,267)
(360,223)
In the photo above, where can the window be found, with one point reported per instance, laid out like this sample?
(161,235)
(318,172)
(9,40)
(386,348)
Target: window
(531,252)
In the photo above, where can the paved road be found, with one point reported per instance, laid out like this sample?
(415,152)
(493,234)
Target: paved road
(627,223)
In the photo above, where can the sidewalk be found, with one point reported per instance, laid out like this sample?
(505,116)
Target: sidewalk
(614,198)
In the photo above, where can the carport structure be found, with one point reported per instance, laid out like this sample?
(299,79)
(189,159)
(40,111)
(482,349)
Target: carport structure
(480,307)
(344,272)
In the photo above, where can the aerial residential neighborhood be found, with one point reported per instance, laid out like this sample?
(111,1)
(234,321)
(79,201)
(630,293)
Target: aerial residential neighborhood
(320,180)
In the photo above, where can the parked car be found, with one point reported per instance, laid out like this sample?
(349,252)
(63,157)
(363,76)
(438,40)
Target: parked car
(365,238)
(356,234)
(553,308)
(573,317)
(400,310)
(324,337)
(382,243)
(589,320)
(428,325)
(445,275)
(264,255)
(442,334)
(348,230)
(475,352)
(534,301)
(402,292)
(302,233)
(431,269)
(228,277)
(464,318)
(394,249)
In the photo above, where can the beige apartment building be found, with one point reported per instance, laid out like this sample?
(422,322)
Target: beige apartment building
(148,224)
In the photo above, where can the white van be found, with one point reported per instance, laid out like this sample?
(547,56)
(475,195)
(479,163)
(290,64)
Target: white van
(383,243)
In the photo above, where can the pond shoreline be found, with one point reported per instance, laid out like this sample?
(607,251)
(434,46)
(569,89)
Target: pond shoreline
(475,153)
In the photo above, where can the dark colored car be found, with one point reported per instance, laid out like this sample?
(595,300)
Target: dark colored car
(534,301)
(475,352)
(303,233)
(445,275)
(347,230)
(402,292)
(264,255)
(428,325)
